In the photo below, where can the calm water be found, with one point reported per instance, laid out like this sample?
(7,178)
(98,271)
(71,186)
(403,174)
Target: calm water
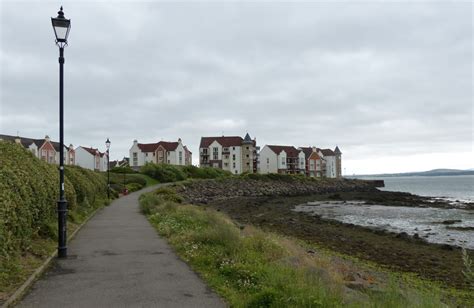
(426,222)
(452,187)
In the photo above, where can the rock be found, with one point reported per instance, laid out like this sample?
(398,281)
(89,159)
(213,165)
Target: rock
(451,222)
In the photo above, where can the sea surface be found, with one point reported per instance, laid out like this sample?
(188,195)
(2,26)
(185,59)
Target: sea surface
(460,187)
(444,226)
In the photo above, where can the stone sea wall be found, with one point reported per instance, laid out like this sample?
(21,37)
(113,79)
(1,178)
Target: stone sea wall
(207,190)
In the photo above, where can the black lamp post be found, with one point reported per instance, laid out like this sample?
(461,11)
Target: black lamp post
(61,27)
(107,144)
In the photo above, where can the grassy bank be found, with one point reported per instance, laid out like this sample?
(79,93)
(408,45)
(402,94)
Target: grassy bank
(252,268)
(28,220)
(165,173)
(132,181)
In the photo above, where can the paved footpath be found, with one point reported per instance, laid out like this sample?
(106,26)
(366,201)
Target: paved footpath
(118,260)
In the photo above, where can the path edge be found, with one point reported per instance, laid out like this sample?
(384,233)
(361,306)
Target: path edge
(20,292)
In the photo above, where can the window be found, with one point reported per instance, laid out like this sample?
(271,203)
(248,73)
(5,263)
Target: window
(226,164)
(225,150)
(233,156)
(247,148)
(283,162)
(180,158)
(146,154)
(135,158)
(248,164)
(233,148)
(247,156)
(154,154)
(235,171)
(215,153)
(233,165)
(226,157)
(268,160)
(204,151)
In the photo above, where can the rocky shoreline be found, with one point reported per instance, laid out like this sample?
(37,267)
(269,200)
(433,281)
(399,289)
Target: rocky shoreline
(270,205)
(205,191)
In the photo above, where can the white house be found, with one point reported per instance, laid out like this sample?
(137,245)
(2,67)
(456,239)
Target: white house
(231,153)
(163,152)
(332,162)
(91,158)
(281,159)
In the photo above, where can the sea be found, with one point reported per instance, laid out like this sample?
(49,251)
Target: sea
(459,187)
(443,226)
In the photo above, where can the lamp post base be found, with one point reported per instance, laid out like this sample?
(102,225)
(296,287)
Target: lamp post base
(62,229)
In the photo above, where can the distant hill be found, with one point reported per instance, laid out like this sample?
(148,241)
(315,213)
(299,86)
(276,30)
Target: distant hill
(434,172)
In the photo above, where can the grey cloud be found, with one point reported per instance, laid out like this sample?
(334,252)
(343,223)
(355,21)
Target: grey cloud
(374,78)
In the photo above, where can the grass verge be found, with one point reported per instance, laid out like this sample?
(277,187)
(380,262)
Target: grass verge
(252,268)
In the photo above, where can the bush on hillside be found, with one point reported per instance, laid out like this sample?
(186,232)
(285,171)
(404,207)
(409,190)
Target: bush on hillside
(171,173)
(204,172)
(163,172)
(29,190)
(125,169)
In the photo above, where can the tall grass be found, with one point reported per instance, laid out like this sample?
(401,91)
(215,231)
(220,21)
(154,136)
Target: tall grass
(252,268)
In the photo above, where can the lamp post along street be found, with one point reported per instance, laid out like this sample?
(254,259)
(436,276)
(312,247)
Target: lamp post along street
(107,144)
(61,27)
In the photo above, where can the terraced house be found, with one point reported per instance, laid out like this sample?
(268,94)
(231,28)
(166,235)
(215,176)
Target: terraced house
(44,149)
(231,153)
(282,159)
(163,152)
(91,158)
(311,161)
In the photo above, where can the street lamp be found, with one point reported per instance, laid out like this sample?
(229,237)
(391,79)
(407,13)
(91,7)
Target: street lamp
(107,144)
(61,27)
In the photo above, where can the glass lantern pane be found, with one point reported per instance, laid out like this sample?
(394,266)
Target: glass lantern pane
(60,33)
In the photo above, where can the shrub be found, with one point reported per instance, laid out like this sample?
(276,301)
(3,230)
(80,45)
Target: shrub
(163,172)
(125,169)
(133,187)
(204,172)
(170,173)
(28,197)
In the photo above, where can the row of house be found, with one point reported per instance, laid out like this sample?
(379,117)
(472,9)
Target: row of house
(232,153)
(239,155)
(310,161)
(48,150)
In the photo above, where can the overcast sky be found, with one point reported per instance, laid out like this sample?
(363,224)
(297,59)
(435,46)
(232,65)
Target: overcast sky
(389,83)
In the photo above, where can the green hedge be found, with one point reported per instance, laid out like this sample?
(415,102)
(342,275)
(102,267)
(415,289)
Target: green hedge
(170,173)
(29,190)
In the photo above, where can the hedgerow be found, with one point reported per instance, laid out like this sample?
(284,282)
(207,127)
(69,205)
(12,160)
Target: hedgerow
(29,190)
(170,173)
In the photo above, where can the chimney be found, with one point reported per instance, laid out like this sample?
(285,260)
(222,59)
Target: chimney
(179,140)
(46,138)
(135,142)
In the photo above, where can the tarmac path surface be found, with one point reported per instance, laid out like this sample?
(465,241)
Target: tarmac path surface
(118,260)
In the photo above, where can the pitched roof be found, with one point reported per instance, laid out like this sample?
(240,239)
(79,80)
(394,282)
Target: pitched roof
(92,150)
(187,150)
(26,142)
(337,151)
(307,151)
(291,151)
(327,152)
(169,146)
(147,147)
(151,147)
(224,141)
